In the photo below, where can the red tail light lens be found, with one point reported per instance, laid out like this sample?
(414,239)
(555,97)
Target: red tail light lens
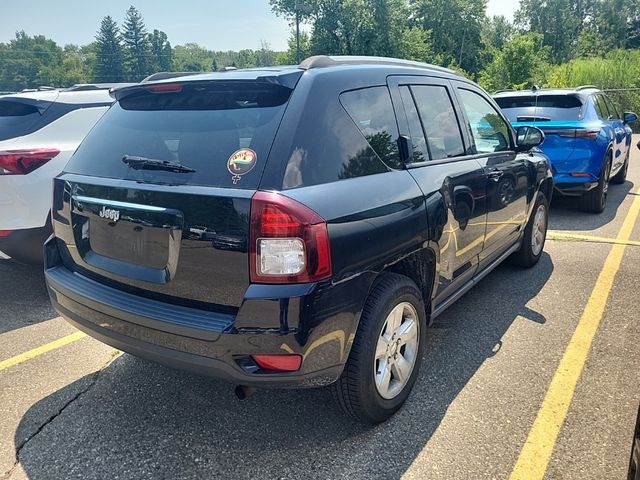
(289,241)
(22,162)
(279,363)
(591,134)
(5,233)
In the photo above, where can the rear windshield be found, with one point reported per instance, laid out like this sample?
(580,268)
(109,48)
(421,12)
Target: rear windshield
(541,108)
(222,131)
(16,118)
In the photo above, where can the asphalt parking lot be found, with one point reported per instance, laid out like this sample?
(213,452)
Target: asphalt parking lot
(491,401)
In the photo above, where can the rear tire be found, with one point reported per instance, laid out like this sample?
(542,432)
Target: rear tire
(595,201)
(621,176)
(360,391)
(535,235)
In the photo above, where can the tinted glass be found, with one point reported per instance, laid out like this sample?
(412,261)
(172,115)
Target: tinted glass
(439,121)
(372,111)
(602,109)
(613,111)
(490,132)
(16,119)
(527,108)
(327,146)
(204,127)
(418,142)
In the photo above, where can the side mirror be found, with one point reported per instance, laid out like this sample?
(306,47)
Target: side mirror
(630,117)
(528,137)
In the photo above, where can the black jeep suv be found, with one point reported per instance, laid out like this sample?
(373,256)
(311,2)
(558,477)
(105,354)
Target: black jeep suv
(347,202)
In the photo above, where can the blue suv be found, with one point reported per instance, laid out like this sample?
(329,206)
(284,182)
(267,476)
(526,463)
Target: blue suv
(587,139)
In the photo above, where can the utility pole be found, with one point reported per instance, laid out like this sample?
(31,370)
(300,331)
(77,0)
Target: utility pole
(305,9)
(297,35)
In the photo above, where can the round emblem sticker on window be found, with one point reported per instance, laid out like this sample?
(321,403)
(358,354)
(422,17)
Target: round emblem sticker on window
(241,162)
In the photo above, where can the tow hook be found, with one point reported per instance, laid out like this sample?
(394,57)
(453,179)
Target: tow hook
(243,392)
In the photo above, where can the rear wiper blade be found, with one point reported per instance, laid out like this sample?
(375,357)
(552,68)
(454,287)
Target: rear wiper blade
(143,163)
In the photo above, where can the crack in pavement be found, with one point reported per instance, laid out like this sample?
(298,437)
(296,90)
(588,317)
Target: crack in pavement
(94,379)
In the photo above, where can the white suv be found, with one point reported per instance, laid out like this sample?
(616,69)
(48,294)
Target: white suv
(39,131)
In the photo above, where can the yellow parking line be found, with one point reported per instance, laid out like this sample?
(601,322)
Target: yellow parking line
(554,235)
(536,452)
(23,357)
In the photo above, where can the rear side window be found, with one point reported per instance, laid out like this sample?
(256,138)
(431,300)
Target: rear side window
(541,108)
(222,131)
(613,111)
(372,111)
(17,119)
(439,120)
(336,140)
(601,107)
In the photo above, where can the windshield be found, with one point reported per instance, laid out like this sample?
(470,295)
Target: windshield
(541,108)
(221,131)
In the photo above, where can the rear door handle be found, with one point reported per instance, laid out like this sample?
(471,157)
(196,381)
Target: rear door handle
(495,175)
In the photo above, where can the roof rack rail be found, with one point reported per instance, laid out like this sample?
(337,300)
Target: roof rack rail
(84,87)
(322,61)
(586,87)
(167,75)
(505,90)
(42,88)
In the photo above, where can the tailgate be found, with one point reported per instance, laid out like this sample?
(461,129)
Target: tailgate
(162,244)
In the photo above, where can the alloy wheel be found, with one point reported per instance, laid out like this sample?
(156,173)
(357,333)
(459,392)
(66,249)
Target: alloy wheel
(396,350)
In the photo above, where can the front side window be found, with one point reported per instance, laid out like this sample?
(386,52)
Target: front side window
(490,132)
(439,121)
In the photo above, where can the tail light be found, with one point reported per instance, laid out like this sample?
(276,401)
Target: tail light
(591,134)
(22,162)
(289,241)
(5,233)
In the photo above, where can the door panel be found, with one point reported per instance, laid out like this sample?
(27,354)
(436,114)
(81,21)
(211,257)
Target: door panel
(507,177)
(453,183)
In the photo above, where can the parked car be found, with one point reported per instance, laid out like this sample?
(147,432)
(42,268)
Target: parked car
(587,139)
(39,130)
(352,201)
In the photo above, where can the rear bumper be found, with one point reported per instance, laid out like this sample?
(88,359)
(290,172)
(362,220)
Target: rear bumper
(25,245)
(200,341)
(568,185)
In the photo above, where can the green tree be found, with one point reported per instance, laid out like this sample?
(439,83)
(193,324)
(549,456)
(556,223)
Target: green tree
(109,66)
(27,62)
(559,21)
(456,27)
(360,27)
(496,31)
(136,45)
(521,62)
(191,57)
(265,57)
(161,51)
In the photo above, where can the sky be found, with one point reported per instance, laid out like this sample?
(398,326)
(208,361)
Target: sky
(214,24)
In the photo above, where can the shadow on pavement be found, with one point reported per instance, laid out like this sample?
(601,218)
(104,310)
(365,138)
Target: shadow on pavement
(142,420)
(566,213)
(23,296)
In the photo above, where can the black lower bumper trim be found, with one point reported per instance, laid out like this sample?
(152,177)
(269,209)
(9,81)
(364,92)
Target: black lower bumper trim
(26,245)
(574,189)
